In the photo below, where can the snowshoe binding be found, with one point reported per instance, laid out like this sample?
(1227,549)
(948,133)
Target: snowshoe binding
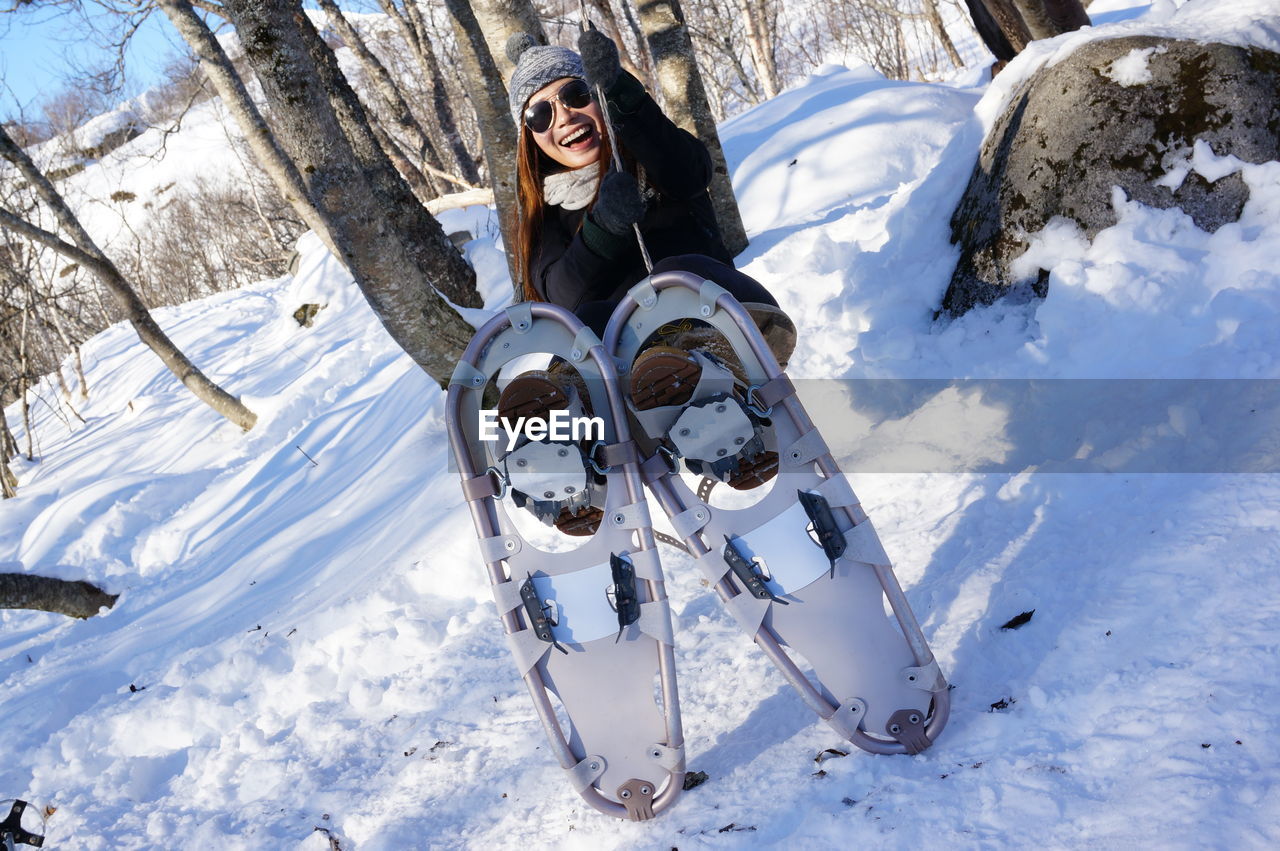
(589,628)
(802,569)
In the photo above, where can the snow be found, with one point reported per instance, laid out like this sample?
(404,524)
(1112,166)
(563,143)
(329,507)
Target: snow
(304,642)
(1131,69)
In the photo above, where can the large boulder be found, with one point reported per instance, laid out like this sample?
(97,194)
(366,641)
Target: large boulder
(1121,112)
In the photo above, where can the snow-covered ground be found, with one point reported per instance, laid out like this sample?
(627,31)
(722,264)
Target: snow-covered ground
(304,638)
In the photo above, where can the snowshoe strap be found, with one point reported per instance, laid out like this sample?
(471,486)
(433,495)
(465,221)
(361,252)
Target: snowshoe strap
(766,395)
(582,775)
(585,341)
(507,596)
(655,622)
(527,649)
(608,455)
(672,759)
(499,547)
(847,717)
(708,293)
(748,611)
(466,375)
(647,565)
(837,491)
(712,566)
(481,486)
(806,448)
(633,516)
(661,463)
(925,677)
(863,545)
(688,522)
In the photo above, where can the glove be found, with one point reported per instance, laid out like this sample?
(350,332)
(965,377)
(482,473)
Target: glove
(618,205)
(599,58)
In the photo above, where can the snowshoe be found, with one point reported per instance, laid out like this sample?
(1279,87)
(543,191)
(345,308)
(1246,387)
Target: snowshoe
(802,569)
(589,628)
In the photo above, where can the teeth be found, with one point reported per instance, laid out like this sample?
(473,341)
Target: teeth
(573,137)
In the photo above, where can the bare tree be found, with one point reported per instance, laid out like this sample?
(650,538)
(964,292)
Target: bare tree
(421,36)
(84,251)
(394,106)
(235,97)
(395,250)
(685,100)
(488,92)
(761,20)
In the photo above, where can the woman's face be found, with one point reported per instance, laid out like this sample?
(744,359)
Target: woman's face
(573,137)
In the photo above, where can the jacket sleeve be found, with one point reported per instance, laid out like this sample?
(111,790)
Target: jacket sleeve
(588,265)
(674,160)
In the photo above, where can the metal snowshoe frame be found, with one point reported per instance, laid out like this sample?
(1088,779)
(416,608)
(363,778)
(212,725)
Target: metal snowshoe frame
(623,753)
(882,692)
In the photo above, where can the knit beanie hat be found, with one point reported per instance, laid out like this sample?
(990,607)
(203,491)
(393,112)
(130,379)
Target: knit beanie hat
(536,66)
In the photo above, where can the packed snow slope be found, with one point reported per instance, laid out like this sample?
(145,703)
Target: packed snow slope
(305,647)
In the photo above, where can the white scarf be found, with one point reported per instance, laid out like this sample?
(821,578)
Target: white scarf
(572,190)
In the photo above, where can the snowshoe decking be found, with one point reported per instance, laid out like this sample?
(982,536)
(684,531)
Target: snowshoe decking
(589,628)
(802,570)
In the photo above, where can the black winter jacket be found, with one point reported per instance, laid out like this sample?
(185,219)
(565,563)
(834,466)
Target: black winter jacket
(577,262)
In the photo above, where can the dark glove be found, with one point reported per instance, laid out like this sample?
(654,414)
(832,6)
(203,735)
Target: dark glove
(619,205)
(599,58)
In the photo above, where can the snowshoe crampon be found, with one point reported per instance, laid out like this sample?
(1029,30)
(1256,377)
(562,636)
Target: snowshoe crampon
(590,628)
(801,570)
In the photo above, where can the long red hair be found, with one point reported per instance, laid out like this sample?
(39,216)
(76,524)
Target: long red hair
(531,167)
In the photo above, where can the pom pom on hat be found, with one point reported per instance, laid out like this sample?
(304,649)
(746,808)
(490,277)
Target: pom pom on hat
(517,45)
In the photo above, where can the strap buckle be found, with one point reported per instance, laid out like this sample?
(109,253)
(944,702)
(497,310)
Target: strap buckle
(504,484)
(754,405)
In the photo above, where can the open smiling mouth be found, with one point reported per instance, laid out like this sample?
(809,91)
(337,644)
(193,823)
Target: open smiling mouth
(579,138)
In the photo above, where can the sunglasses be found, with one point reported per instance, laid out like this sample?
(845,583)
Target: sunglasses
(574,94)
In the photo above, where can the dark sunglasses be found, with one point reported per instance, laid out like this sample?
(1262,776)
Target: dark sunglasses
(574,94)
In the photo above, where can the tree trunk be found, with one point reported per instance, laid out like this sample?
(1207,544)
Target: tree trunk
(501,19)
(755,18)
(8,481)
(1007,17)
(443,122)
(226,81)
(990,32)
(392,99)
(1048,18)
(488,93)
(685,101)
(466,164)
(24,381)
(940,31)
(424,188)
(74,599)
(91,257)
(396,251)
(611,29)
(646,58)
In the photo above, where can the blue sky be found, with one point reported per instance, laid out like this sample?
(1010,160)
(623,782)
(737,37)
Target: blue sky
(38,49)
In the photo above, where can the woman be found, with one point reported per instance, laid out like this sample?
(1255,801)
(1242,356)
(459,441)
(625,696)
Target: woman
(577,244)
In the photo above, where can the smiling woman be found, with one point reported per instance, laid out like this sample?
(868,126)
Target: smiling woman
(577,242)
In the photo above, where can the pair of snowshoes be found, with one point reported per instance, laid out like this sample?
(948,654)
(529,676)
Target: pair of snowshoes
(801,569)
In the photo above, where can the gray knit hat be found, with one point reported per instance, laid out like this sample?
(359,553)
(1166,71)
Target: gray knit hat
(536,66)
